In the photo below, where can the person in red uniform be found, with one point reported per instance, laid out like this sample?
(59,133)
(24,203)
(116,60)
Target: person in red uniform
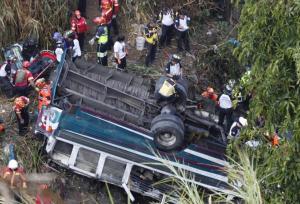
(44,93)
(15,175)
(79,25)
(22,79)
(21,110)
(210,94)
(109,10)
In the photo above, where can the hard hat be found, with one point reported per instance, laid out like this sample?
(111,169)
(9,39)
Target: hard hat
(99,20)
(59,42)
(13,164)
(176,58)
(40,82)
(77,13)
(243,121)
(210,90)
(26,64)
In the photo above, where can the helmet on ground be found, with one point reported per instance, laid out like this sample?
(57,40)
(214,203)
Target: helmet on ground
(40,83)
(13,164)
(99,20)
(243,121)
(210,90)
(26,64)
(176,58)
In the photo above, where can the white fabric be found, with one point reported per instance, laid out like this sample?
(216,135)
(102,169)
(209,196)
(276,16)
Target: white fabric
(183,24)
(76,48)
(119,48)
(167,19)
(175,69)
(59,52)
(225,101)
(2,70)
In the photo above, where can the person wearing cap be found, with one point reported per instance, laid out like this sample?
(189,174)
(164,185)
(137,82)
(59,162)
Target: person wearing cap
(22,79)
(174,68)
(210,94)
(79,25)
(44,93)
(226,110)
(236,127)
(102,40)
(21,110)
(151,36)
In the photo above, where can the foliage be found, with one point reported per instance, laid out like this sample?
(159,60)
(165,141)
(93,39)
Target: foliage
(40,18)
(269,36)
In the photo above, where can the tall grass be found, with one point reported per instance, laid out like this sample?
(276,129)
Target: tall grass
(40,18)
(243,184)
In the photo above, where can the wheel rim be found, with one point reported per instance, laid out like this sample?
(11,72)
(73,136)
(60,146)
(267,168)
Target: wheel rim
(166,139)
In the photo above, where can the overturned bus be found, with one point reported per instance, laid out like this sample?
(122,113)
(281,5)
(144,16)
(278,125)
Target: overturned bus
(105,124)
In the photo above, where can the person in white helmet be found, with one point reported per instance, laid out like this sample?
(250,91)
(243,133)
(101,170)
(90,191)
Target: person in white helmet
(236,128)
(14,174)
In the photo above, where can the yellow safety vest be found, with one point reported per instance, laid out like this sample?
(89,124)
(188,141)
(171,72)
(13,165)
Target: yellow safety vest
(151,37)
(168,88)
(104,37)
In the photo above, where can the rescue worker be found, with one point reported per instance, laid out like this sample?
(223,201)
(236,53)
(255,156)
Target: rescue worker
(210,94)
(236,127)
(109,10)
(22,79)
(174,68)
(21,110)
(44,93)
(79,25)
(102,40)
(151,36)
(182,26)
(15,174)
(166,17)
(167,92)
(226,110)
(7,70)
(120,51)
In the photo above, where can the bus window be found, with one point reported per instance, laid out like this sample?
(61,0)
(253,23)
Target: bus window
(87,160)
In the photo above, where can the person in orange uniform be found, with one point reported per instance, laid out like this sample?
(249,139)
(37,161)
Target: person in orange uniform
(44,93)
(21,110)
(22,79)
(109,10)
(210,94)
(15,174)
(79,25)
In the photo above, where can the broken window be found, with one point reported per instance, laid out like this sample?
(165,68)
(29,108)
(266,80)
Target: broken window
(62,151)
(113,170)
(87,160)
